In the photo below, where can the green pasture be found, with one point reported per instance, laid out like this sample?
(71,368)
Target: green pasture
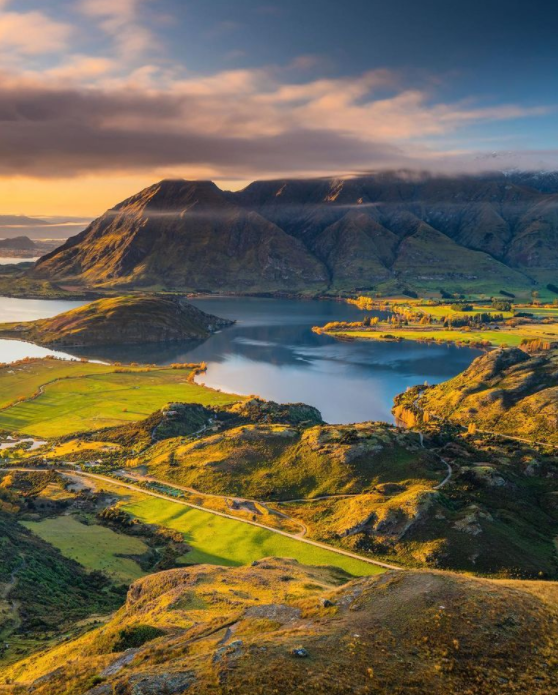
(222,541)
(89,397)
(93,546)
(496,338)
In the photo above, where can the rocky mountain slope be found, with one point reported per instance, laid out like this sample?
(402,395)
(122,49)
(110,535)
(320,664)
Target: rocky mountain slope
(508,391)
(319,235)
(280,627)
(120,320)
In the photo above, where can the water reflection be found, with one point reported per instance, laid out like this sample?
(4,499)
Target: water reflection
(271,351)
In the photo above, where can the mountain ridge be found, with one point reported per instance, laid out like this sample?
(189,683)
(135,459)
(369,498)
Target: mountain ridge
(318,235)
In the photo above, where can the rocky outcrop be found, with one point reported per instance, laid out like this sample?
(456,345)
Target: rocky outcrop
(507,391)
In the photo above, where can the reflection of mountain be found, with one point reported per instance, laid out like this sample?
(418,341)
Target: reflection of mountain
(272,352)
(161,353)
(317,235)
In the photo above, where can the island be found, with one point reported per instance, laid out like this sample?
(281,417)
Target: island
(133,319)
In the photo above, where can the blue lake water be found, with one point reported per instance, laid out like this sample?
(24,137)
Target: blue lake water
(271,351)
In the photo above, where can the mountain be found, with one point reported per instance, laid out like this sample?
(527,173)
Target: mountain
(279,627)
(508,391)
(19,242)
(387,230)
(37,228)
(120,320)
(185,234)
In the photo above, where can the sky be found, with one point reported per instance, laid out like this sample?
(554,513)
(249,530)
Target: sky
(100,98)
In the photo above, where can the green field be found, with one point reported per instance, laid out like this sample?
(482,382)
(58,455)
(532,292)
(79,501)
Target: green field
(442,310)
(21,380)
(93,546)
(456,336)
(221,541)
(510,337)
(79,397)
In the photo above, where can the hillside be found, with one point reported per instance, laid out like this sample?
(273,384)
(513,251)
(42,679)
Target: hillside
(369,487)
(185,419)
(281,627)
(275,461)
(385,232)
(120,320)
(42,592)
(508,391)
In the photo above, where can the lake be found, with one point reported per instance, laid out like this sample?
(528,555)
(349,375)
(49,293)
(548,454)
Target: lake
(272,352)
(4,260)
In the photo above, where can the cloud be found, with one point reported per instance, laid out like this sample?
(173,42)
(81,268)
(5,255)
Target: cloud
(81,68)
(31,33)
(237,123)
(120,19)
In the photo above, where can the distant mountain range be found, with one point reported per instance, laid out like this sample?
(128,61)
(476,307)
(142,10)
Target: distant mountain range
(23,243)
(386,231)
(38,228)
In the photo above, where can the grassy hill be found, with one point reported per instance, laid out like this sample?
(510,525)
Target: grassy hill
(281,462)
(120,320)
(280,627)
(369,488)
(508,391)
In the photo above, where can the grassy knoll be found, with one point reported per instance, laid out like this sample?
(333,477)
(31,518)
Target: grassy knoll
(50,398)
(94,547)
(221,541)
(126,320)
(274,462)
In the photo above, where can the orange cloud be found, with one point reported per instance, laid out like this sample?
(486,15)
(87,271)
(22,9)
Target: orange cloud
(31,33)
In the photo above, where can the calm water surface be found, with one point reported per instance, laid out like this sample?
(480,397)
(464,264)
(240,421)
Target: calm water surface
(271,351)
(4,260)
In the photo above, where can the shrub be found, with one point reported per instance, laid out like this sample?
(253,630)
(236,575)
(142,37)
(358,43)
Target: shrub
(136,636)
(501,305)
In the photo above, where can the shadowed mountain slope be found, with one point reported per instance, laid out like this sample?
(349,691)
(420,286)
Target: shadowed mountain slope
(319,235)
